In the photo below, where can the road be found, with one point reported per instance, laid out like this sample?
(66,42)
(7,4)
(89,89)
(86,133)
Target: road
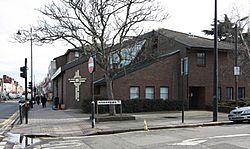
(7,109)
(234,136)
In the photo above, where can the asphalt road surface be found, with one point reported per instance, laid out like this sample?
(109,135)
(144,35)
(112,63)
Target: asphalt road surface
(7,109)
(235,136)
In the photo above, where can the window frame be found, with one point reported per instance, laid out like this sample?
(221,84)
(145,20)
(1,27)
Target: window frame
(244,92)
(166,87)
(219,93)
(184,66)
(130,93)
(231,92)
(152,94)
(201,58)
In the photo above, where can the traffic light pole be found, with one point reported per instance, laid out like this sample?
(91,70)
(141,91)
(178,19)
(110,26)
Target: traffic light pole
(31,57)
(26,94)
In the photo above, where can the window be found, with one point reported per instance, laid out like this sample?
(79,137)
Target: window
(229,93)
(219,94)
(241,92)
(134,92)
(149,93)
(184,66)
(201,58)
(123,57)
(77,54)
(164,93)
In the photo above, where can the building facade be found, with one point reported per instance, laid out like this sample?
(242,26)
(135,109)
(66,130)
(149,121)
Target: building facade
(167,65)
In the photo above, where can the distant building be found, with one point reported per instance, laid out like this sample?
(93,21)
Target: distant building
(9,85)
(166,65)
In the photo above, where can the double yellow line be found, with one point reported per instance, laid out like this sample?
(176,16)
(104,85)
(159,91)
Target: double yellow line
(8,122)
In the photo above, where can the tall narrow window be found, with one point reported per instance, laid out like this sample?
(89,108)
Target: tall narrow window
(134,92)
(241,92)
(184,66)
(229,93)
(201,58)
(149,93)
(164,93)
(219,94)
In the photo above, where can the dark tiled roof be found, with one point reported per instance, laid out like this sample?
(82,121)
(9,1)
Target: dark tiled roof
(194,41)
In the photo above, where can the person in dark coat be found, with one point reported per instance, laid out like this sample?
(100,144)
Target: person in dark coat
(38,100)
(44,100)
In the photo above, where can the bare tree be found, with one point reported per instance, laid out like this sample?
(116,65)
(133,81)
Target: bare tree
(101,25)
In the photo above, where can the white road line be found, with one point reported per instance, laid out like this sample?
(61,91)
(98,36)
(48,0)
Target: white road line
(197,141)
(229,136)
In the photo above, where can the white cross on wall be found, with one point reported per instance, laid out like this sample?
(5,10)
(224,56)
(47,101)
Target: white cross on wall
(77,80)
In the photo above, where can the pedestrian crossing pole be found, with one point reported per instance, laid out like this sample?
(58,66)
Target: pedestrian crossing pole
(91,69)
(26,95)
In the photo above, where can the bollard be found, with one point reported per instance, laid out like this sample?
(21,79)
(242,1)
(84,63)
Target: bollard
(145,125)
(93,114)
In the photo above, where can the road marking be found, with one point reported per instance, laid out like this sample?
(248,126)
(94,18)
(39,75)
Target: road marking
(190,142)
(229,136)
(63,144)
(9,121)
(2,144)
(196,141)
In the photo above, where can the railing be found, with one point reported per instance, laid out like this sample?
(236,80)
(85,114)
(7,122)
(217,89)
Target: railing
(23,111)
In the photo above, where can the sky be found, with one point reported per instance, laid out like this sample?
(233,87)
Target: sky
(188,16)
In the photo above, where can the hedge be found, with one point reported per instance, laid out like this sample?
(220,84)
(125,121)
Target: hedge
(138,105)
(227,106)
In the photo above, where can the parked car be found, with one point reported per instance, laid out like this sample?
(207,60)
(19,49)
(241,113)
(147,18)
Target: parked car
(240,114)
(22,98)
(12,95)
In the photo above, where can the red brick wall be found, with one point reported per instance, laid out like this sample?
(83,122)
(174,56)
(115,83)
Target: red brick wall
(69,88)
(161,73)
(203,76)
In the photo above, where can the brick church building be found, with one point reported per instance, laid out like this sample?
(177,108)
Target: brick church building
(168,65)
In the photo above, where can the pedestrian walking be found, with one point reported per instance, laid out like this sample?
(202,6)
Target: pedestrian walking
(44,100)
(38,100)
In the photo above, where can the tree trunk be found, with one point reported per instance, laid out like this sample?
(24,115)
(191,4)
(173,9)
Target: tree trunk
(109,86)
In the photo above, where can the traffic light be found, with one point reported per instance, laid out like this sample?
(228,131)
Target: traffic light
(23,72)
(30,85)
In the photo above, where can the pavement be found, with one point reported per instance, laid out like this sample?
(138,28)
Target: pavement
(46,122)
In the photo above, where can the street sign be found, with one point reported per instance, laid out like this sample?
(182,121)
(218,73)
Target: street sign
(109,102)
(91,65)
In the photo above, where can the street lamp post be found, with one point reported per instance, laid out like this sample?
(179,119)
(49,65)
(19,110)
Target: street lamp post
(31,61)
(215,81)
(236,68)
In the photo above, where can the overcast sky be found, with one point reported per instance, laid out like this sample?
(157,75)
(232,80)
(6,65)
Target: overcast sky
(184,16)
